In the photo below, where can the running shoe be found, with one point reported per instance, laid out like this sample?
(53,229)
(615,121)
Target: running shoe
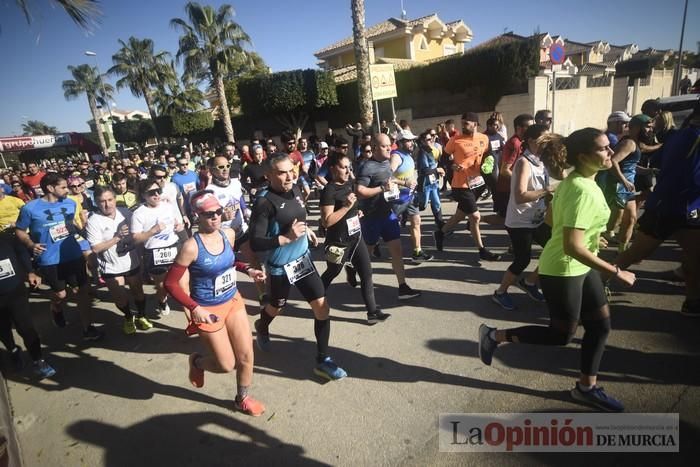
(92,334)
(405,292)
(163,309)
(143,324)
(59,318)
(350,276)
(249,406)
(16,357)
(328,369)
(596,397)
(43,369)
(691,310)
(377,317)
(196,375)
(439,237)
(376,252)
(503,300)
(420,257)
(487,345)
(487,255)
(532,291)
(262,339)
(129,326)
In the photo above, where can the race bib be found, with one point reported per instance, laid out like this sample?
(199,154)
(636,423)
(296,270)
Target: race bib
(353,225)
(475,182)
(495,145)
(225,282)
(163,256)
(299,268)
(432,179)
(89,183)
(391,196)
(6,269)
(58,232)
(189,187)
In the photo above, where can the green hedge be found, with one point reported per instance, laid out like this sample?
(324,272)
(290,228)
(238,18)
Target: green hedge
(187,123)
(133,131)
(286,92)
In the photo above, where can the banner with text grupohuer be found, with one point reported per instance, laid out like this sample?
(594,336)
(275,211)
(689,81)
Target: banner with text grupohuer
(383,81)
(23,143)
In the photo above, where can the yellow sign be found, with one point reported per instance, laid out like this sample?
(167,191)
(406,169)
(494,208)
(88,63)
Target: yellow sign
(383,81)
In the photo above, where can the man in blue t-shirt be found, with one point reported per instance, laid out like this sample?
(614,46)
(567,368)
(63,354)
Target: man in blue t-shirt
(51,239)
(186,181)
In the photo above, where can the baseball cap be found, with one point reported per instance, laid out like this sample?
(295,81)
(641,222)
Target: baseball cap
(471,117)
(324,145)
(619,116)
(204,201)
(640,120)
(406,135)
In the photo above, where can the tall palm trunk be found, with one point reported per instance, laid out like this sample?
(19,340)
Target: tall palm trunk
(98,125)
(223,104)
(151,110)
(364,90)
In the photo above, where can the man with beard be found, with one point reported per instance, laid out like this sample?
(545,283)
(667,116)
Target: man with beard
(467,150)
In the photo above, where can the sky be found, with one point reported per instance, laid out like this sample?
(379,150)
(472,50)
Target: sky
(34,58)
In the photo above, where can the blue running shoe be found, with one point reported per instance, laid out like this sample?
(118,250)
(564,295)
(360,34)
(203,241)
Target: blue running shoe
(43,369)
(329,370)
(597,398)
(262,339)
(487,345)
(503,300)
(532,291)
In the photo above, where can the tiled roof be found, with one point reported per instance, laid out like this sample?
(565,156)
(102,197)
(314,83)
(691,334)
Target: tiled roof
(392,24)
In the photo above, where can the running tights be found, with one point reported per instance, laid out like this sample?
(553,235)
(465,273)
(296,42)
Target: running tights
(570,299)
(14,309)
(363,266)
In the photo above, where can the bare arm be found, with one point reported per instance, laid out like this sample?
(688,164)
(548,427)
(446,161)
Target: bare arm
(521,172)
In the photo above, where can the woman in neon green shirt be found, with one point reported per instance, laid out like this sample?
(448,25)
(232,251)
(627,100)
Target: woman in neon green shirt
(570,270)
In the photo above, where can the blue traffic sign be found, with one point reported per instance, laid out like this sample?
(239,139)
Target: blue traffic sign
(557,54)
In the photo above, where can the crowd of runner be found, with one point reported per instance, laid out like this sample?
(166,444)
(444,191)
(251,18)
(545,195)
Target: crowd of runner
(188,220)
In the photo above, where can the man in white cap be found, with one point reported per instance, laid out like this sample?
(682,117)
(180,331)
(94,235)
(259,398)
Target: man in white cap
(404,172)
(617,125)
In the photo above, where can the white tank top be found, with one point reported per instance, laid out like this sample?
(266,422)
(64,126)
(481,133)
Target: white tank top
(528,215)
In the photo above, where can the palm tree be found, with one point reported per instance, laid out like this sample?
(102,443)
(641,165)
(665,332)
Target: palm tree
(87,80)
(83,12)
(209,42)
(364,89)
(177,99)
(37,128)
(141,70)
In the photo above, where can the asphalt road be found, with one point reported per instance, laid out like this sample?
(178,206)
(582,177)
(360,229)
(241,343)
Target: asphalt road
(127,400)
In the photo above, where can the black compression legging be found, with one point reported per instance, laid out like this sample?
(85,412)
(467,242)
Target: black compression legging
(522,239)
(14,309)
(568,299)
(363,266)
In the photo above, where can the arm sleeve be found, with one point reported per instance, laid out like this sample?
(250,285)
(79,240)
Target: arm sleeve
(92,232)
(450,146)
(259,222)
(363,177)
(327,198)
(24,218)
(172,285)
(136,223)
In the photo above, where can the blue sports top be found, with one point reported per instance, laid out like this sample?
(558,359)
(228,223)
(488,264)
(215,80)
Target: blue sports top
(52,225)
(213,277)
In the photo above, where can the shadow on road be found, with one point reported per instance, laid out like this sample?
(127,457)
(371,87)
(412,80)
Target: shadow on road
(203,438)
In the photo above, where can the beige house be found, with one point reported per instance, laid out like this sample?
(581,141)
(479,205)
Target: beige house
(401,42)
(118,115)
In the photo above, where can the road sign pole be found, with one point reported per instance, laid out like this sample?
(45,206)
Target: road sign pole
(376,109)
(393,110)
(554,91)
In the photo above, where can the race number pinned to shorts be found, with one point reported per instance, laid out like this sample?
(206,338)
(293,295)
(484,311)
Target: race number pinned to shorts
(6,269)
(58,232)
(391,196)
(475,182)
(163,256)
(432,179)
(353,225)
(224,282)
(299,268)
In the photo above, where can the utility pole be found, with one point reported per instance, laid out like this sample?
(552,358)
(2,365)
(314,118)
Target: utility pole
(677,75)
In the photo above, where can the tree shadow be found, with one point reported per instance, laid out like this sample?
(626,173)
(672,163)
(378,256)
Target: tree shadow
(287,353)
(196,439)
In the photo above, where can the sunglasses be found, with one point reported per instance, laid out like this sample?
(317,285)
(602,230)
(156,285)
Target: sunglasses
(183,165)
(154,192)
(16,184)
(76,186)
(211,214)
(172,162)
(159,177)
(367,151)
(223,167)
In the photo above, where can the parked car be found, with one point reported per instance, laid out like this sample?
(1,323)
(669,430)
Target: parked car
(680,106)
